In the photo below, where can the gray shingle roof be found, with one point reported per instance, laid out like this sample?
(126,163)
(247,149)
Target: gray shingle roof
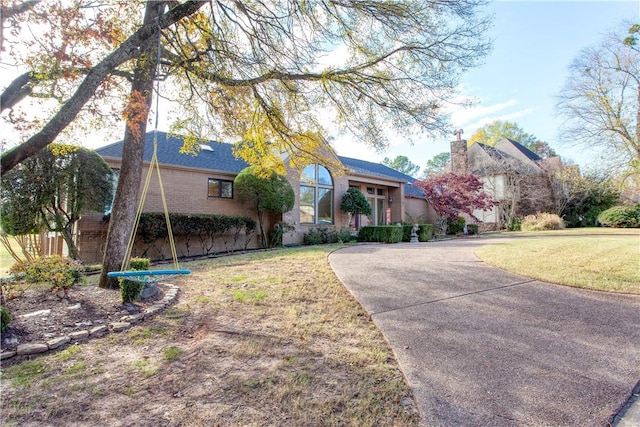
(524,150)
(363,167)
(221,159)
(502,161)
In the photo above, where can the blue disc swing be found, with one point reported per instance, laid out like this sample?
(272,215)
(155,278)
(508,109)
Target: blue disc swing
(151,276)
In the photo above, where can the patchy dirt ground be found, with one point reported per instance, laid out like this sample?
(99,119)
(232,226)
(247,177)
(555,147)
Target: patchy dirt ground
(40,315)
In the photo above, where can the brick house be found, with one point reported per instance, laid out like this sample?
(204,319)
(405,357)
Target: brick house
(520,180)
(203,184)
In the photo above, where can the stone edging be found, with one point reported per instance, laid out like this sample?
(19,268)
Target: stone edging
(97,331)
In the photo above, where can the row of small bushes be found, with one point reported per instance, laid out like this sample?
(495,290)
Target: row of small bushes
(326,235)
(197,232)
(378,233)
(617,216)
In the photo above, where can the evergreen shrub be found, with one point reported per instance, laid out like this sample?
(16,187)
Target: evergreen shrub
(381,233)
(130,290)
(425,233)
(472,228)
(621,217)
(455,226)
(514,224)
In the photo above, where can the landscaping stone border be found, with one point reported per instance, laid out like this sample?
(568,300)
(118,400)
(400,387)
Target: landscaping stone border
(170,295)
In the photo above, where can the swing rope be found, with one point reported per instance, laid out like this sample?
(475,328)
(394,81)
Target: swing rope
(153,165)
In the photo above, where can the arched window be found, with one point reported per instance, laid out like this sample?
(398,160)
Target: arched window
(316,195)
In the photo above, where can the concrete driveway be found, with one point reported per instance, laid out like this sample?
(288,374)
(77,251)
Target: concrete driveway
(483,347)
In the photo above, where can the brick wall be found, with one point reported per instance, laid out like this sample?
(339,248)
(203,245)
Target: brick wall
(185,192)
(419,210)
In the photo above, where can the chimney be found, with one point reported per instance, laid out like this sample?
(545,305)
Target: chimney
(459,160)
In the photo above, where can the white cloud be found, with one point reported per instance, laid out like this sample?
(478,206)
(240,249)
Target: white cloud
(463,115)
(472,118)
(504,117)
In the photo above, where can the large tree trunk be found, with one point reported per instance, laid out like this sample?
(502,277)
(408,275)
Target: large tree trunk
(128,190)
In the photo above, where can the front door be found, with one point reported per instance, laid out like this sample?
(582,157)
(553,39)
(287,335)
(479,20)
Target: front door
(379,210)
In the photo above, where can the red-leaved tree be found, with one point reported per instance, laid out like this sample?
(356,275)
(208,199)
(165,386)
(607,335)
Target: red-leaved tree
(453,193)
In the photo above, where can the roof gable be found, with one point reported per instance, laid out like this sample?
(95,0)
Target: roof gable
(505,155)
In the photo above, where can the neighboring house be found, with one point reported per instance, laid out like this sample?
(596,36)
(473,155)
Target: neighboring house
(521,181)
(203,184)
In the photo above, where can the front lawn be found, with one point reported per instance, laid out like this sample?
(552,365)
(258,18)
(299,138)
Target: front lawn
(600,259)
(269,338)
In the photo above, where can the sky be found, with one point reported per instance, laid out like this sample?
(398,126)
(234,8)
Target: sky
(534,43)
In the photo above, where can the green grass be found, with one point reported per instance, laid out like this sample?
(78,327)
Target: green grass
(249,295)
(26,373)
(6,260)
(69,352)
(171,353)
(608,263)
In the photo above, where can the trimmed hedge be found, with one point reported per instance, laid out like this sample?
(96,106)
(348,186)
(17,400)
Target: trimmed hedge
(425,233)
(621,217)
(472,228)
(197,232)
(455,226)
(381,233)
